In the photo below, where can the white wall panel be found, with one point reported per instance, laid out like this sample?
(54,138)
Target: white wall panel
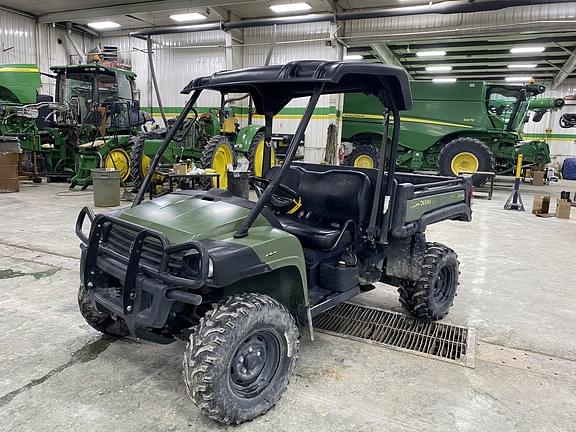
(17,38)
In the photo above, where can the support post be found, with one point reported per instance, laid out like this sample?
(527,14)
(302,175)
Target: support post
(515,200)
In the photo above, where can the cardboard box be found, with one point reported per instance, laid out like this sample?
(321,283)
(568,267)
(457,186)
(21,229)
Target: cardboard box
(541,204)
(563,208)
(180,168)
(537,178)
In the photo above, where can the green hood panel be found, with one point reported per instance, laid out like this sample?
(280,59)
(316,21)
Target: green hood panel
(183,218)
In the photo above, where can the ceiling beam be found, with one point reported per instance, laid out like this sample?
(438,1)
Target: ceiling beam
(567,69)
(334,6)
(134,8)
(386,56)
(222,12)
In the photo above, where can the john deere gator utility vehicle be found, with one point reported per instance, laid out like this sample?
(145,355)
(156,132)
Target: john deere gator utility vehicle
(236,278)
(464,126)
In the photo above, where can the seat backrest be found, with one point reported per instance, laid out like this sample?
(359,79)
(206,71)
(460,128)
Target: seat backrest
(291,179)
(336,195)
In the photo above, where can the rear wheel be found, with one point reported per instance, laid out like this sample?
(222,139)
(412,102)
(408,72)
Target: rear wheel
(139,161)
(466,155)
(217,155)
(240,358)
(431,297)
(256,154)
(101,321)
(118,159)
(365,156)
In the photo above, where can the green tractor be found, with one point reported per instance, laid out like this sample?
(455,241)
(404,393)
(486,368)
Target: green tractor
(236,278)
(212,140)
(106,116)
(466,126)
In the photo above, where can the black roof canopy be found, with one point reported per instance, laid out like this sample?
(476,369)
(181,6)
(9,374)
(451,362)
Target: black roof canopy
(272,87)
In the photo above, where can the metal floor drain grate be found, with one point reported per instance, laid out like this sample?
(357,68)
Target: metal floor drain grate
(436,340)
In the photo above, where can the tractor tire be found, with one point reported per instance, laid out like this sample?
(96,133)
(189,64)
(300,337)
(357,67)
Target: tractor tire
(119,159)
(240,358)
(431,297)
(365,156)
(101,321)
(466,154)
(255,155)
(217,155)
(137,170)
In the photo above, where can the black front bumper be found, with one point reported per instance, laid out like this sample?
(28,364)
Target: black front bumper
(143,263)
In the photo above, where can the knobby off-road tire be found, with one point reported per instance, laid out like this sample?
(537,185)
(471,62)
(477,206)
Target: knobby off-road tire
(363,154)
(136,156)
(100,321)
(240,358)
(431,297)
(476,149)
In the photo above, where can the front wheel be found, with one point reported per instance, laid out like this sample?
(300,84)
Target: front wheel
(101,321)
(256,155)
(466,155)
(238,361)
(365,156)
(217,155)
(431,297)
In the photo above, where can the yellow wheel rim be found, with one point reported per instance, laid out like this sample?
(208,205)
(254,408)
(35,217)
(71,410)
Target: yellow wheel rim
(259,157)
(145,164)
(220,161)
(464,162)
(364,161)
(119,160)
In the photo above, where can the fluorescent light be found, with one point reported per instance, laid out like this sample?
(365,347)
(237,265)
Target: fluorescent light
(522,66)
(439,68)
(519,79)
(523,50)
(353,57)
(430,53)
(444,80)
(193,16)
(290,7)
(104,25)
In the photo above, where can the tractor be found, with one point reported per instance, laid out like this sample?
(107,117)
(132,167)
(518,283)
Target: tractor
(466,126)
(236,279)
(212,140)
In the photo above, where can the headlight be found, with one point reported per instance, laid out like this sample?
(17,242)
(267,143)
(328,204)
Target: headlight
(210,268)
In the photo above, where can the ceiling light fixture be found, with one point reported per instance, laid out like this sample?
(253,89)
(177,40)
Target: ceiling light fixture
(290,7)
(438,68)
(104,25)
(522,66)
(353,57)
(524,50)
(519,79)
(193,16)
(444,80)
(430,53)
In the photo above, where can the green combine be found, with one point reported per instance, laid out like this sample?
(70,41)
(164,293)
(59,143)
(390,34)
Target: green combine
(466,126)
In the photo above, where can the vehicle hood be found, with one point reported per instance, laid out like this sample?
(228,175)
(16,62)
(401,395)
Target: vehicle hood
(183,218)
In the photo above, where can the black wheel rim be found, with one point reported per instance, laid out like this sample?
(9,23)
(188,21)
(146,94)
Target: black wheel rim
(443,285)
(255,363)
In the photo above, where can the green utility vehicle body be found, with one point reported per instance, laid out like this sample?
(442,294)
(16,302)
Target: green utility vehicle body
(493,114)
(234,277)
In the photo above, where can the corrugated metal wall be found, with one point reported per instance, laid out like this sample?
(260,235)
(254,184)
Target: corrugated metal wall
(17,38)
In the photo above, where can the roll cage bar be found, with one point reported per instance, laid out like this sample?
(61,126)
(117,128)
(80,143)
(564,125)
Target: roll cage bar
(272,87)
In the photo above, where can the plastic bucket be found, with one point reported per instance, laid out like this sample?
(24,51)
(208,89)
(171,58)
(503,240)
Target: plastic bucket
(238,184)
(106,183)
(9,179)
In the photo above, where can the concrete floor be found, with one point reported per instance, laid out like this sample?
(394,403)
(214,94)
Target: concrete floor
(517,290)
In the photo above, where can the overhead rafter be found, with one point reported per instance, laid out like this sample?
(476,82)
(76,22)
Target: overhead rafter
(133,8)
(386,55)
(222,12)
(566,70)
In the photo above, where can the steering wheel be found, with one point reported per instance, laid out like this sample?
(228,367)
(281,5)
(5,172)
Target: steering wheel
(288,202)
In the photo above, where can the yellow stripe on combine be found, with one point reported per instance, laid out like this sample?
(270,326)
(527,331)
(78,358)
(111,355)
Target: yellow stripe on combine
(406,119)
(16,69)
